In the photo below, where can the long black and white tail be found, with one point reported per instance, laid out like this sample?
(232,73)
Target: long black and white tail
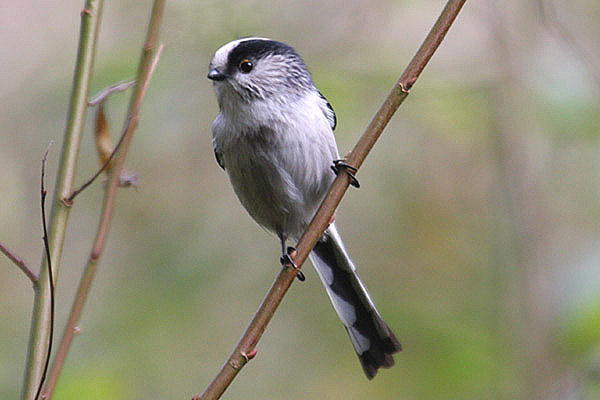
(371,337)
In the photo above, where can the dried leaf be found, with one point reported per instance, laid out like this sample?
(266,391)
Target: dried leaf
(103,139)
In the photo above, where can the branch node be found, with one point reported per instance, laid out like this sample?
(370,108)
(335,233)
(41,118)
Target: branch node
(76,330)
(94,256)
(249,356)
(85,12)
(405,87)
(67,201)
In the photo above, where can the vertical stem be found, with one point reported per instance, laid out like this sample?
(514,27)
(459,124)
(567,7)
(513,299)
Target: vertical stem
(145,70)
(40,324)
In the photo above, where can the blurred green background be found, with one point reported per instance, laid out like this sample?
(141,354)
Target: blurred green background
(477,227)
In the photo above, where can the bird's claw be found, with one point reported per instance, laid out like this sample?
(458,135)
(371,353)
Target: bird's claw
(286,259)
(338,165)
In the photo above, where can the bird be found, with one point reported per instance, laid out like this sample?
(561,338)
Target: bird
(274,136)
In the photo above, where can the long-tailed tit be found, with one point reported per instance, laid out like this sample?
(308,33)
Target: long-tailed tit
(274,137)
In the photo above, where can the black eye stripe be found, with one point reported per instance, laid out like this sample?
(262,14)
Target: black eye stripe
(283,67)
(255,49)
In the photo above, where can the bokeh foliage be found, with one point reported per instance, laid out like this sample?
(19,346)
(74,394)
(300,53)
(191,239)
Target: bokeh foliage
(476,228)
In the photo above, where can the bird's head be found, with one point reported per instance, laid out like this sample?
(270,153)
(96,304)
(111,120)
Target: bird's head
(258,68)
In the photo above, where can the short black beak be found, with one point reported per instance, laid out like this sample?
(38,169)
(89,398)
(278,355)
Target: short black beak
(215,75)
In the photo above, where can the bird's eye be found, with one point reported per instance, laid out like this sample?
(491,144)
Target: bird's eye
(245,66)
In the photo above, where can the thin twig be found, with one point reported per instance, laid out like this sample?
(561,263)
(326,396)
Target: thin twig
(104,93)
(19,263)
(321,220)
(147,66)
(43,193)
(100,98)
(70,199)
(65,177)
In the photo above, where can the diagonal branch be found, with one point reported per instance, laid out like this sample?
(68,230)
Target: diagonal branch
(245,350)
(19,263)
(147,65)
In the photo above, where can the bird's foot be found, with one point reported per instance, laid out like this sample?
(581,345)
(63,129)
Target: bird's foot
(339,165)
(287,259)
